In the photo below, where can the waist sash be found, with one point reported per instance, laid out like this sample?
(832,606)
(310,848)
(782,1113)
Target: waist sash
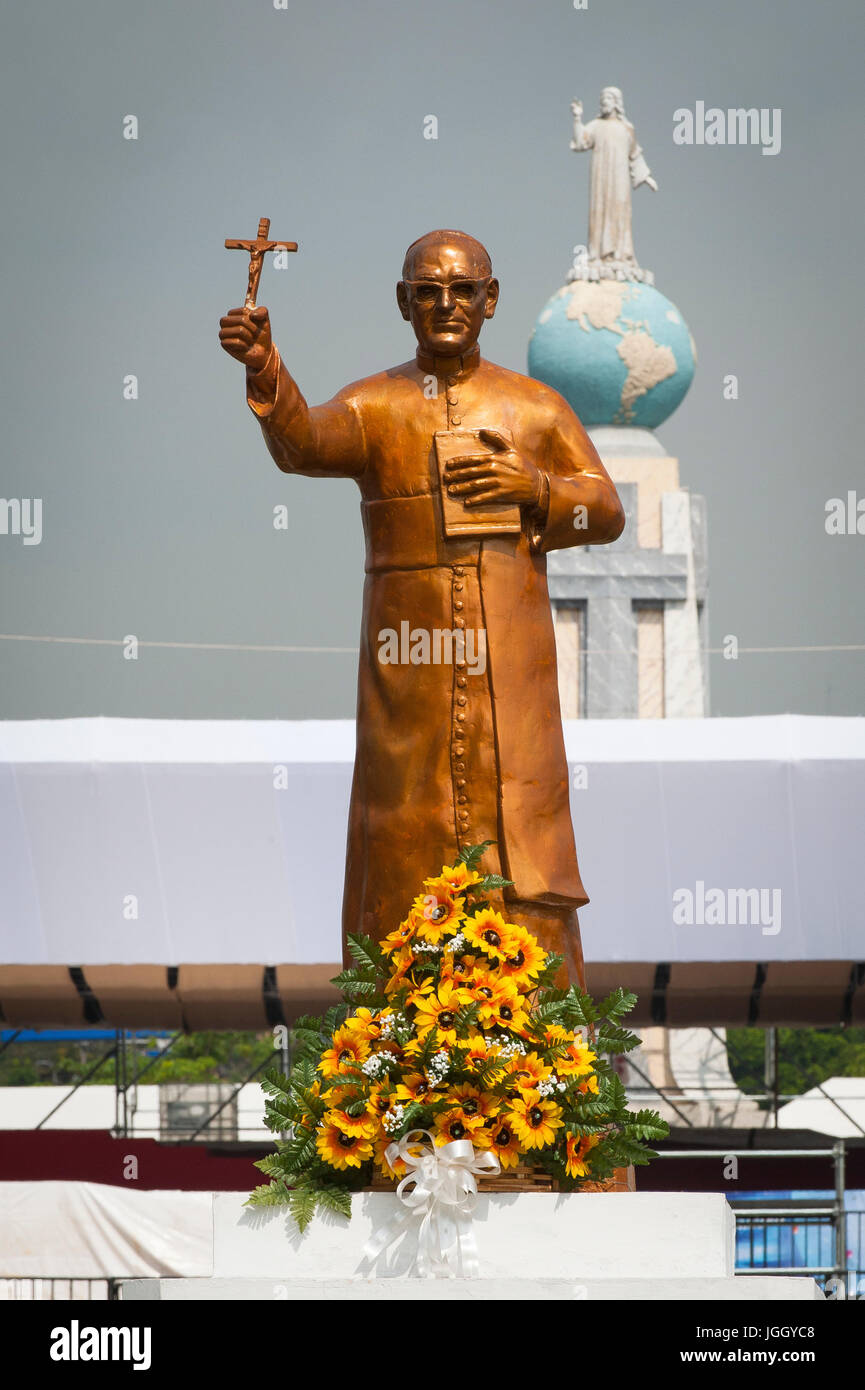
(407,533)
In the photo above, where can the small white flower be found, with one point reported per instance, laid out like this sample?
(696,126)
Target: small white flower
(376,1065)
(439,1067)
(393,1118)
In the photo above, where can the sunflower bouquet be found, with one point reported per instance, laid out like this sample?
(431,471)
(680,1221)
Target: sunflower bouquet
(452,1024)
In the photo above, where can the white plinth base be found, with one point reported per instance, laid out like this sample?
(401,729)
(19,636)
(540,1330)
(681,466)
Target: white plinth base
(533,1235)
(531,1246)
(743,1289)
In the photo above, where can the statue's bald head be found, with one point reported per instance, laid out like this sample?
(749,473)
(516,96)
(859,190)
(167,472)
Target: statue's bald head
(476,256)
(447,291)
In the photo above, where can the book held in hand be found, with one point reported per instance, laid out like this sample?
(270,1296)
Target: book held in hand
(489,519)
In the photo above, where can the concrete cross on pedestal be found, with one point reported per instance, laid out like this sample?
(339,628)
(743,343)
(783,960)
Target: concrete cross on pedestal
(610,582)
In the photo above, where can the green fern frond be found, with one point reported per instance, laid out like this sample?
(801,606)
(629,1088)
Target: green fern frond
(547,978)
(302,1202)
(366,953)
(270,1194)
(274,1083)
(616,1004)
(336,1200)
(470,855)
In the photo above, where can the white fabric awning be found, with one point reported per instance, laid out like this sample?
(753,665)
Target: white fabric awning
(133,841)
(88,1230)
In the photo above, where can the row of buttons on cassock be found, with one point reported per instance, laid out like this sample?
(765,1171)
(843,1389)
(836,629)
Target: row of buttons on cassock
(461,700)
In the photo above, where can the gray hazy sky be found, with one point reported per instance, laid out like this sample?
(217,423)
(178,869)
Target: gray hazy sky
(158,512)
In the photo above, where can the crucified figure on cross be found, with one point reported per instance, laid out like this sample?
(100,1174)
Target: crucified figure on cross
(257,251)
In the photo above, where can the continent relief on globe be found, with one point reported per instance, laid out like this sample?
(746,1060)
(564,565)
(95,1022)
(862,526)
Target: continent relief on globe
(654,347)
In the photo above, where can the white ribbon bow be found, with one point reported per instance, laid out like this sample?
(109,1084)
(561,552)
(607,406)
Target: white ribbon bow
(440,1192)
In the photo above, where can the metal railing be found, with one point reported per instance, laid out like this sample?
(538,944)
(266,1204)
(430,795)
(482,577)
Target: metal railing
(799,1238)
(795,1236)
(57,1290)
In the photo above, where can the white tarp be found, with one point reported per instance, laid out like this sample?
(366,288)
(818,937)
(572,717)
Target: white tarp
(127,841)
(837,1108)
(88,1230)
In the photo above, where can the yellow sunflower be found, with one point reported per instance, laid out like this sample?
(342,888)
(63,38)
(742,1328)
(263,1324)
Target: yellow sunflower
(348,1050)
(489,932)
(413,1086)
(453,880)
(437,914)
(474,1101)
(483,979)
(476,1049)
(381,1100)
(535,1119)
(527,1070)
(400,965)
(338,1148)
(363,1125)
(340,1096)
(400,938)
(577,1060)
(460,969)
(364,1024)
(502,1006)
(439,1010)
(500,1139)
(457,1123)
(578,1152)
(526,960)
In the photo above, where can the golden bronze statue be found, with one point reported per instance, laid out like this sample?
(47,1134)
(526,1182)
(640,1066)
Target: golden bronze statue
(468,474)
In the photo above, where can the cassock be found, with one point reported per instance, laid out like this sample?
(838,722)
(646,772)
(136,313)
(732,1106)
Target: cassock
(451,753)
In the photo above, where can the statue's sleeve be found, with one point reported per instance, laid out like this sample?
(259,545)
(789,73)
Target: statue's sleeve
(584,136)
(322,441)
(639,169)
(583,506)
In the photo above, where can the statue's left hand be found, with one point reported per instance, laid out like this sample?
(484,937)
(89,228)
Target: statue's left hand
(502,476)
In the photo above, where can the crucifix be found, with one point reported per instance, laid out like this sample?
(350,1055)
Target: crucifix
(257,251)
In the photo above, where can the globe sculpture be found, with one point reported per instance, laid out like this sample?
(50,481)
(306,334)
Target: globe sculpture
(618,351)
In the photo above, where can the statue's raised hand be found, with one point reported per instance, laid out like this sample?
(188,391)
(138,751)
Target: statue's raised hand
(576,108)
(245,335)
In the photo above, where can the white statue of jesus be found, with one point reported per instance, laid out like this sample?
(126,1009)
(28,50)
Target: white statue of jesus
(617,164)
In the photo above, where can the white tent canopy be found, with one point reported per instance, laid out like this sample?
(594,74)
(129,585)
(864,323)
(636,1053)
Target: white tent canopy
(837,1108)
(172,842)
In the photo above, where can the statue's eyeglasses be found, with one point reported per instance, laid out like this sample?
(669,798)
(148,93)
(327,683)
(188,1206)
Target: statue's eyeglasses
(463,291)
